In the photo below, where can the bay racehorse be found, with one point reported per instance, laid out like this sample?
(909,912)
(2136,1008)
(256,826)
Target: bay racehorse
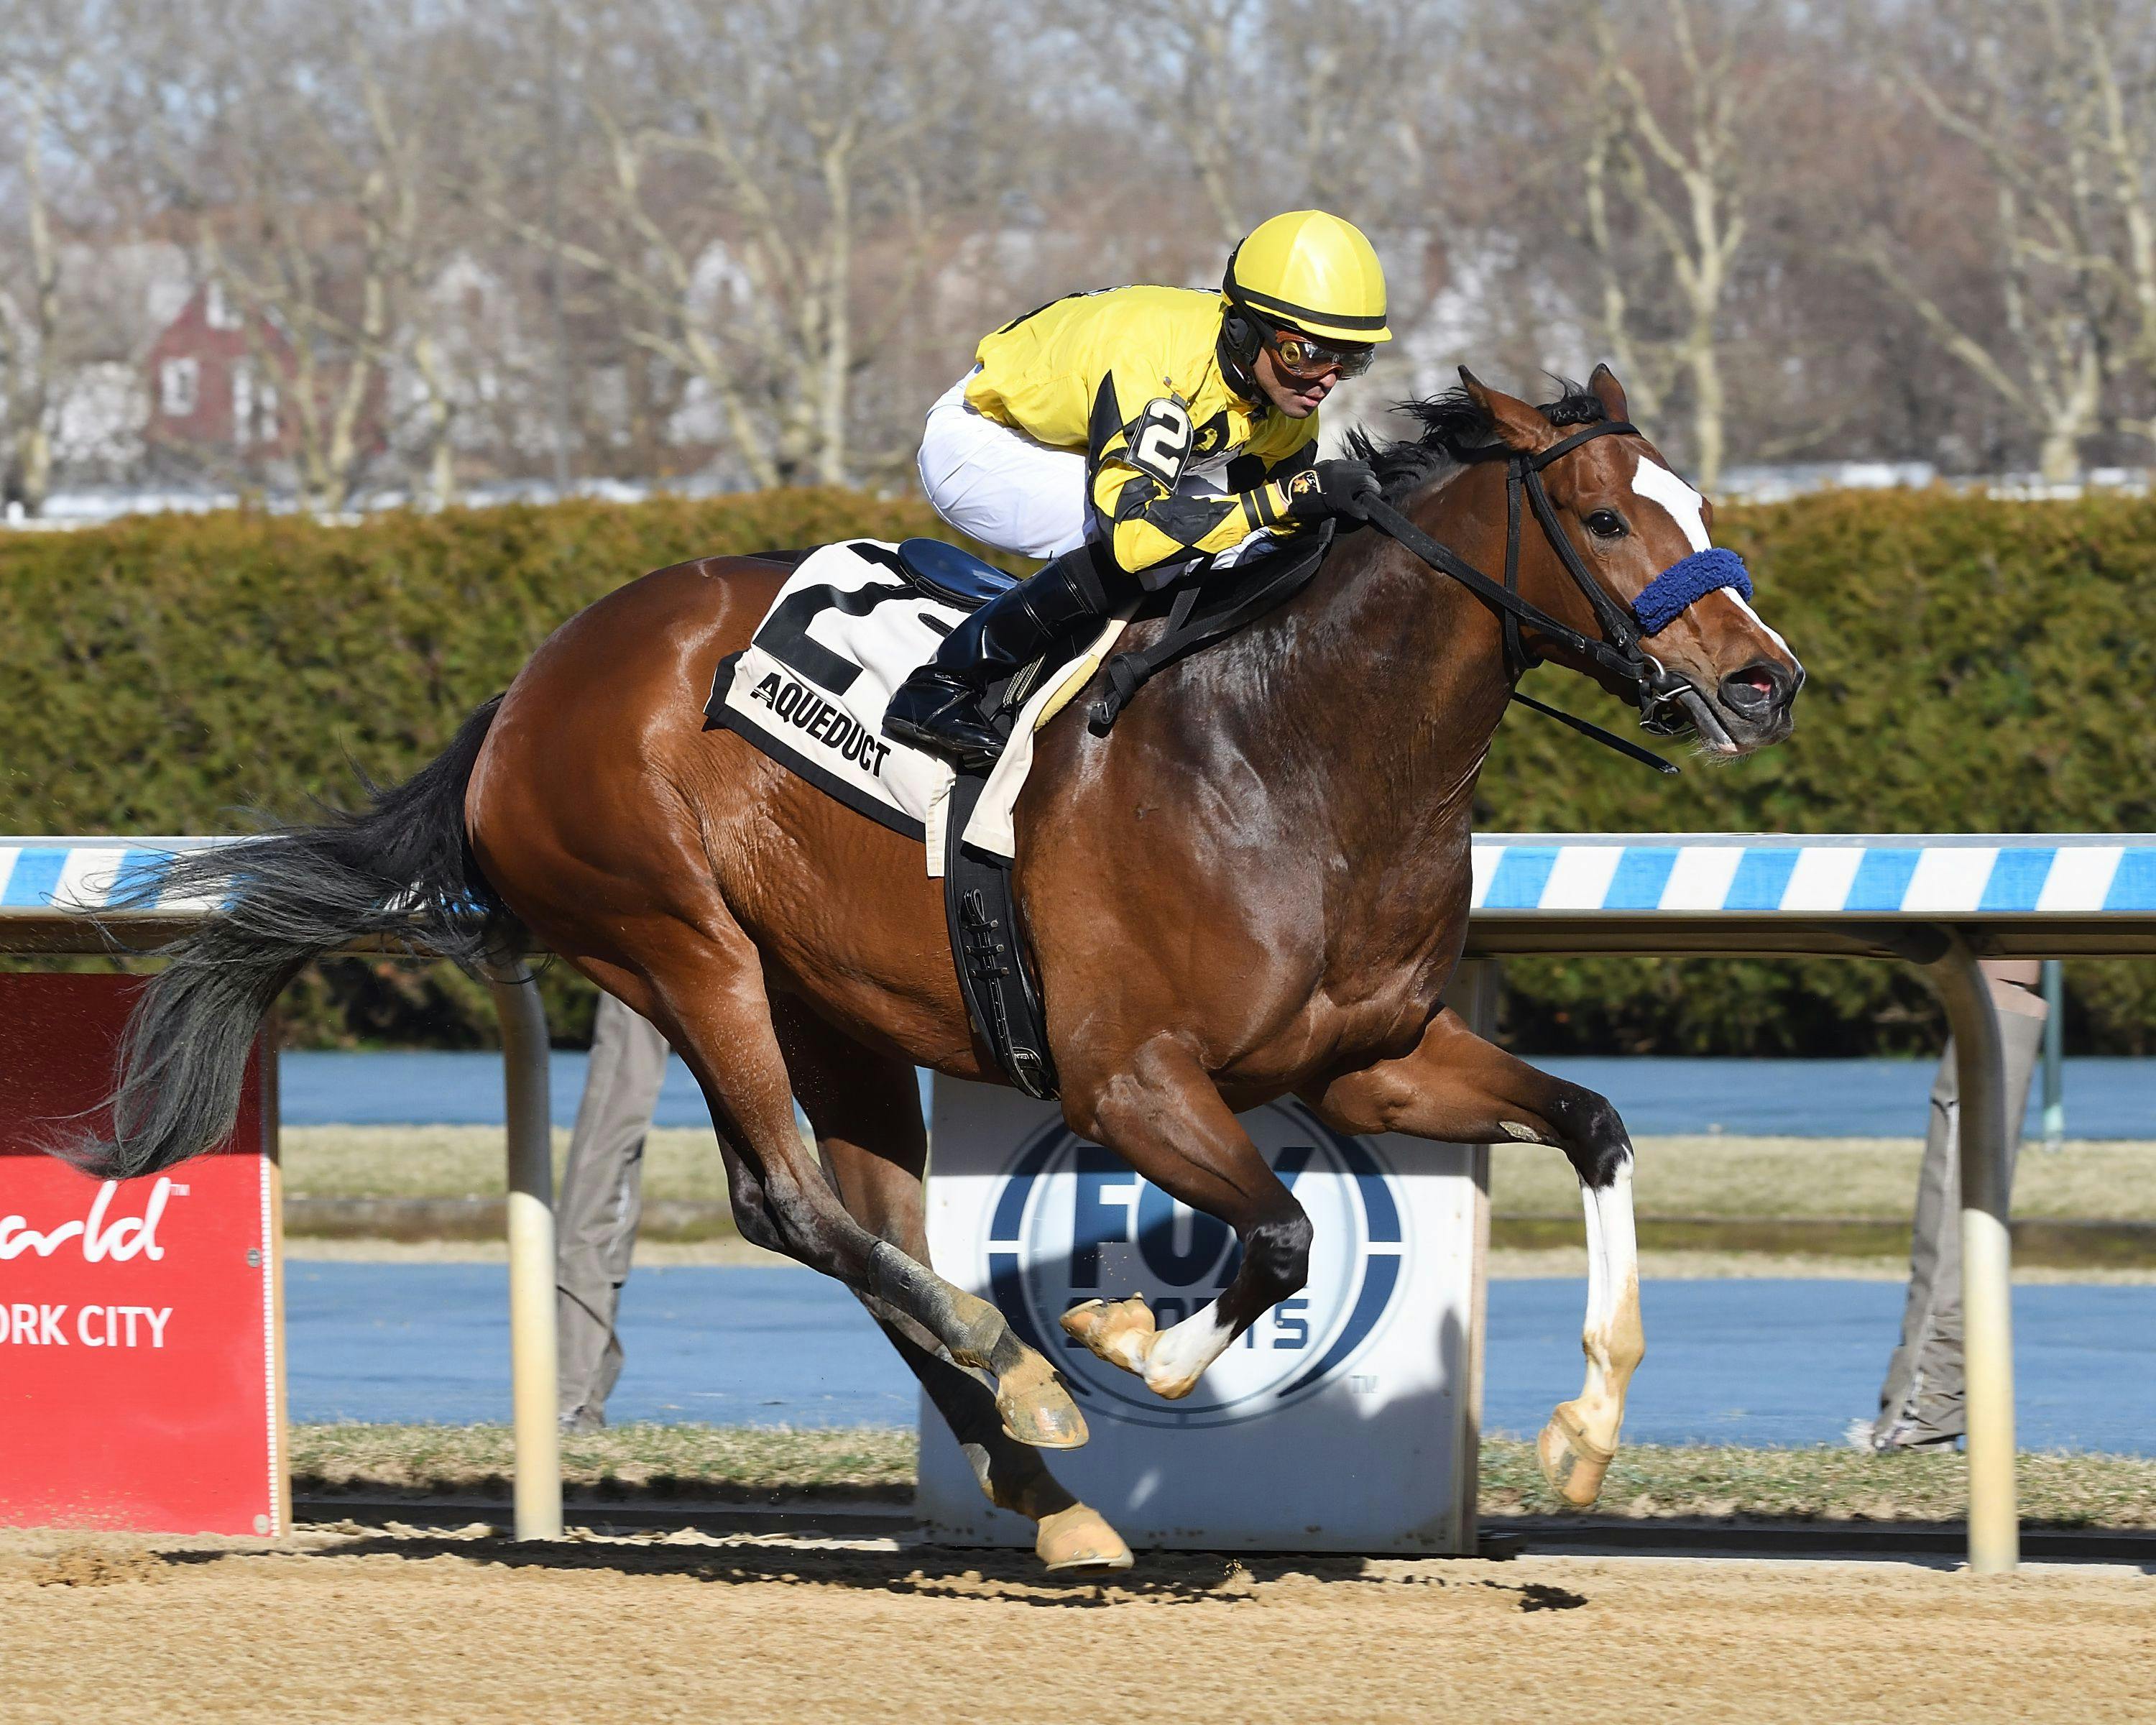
(1256,884)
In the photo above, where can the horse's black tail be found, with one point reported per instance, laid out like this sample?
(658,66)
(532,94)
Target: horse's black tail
(400,871)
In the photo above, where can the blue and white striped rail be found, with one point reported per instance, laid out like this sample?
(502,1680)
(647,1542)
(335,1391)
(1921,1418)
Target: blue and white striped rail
(1683,875)
(45,877)
(1662,875)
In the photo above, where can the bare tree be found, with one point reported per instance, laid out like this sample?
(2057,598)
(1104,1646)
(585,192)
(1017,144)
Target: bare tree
(2035,94)
(29,331)
(756,187)
(42,83)
(299,140)
(762,235)
(1267,103)
(2116,44)
(1665,183)
(1186,66)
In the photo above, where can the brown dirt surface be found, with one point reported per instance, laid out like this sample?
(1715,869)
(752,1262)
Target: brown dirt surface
(397,1625)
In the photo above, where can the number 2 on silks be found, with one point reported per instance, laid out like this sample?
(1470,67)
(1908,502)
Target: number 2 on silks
(1160,441)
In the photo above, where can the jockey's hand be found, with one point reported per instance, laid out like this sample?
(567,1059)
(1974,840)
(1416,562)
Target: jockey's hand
(1330,488)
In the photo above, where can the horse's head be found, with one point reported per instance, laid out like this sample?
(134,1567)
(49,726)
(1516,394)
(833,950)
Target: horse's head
(1728,678)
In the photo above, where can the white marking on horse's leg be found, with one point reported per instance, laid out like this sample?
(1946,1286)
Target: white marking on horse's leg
(1613,1339)
(1597,1262)
(1655,483)
(1580,1441)
(1179,1355)
(1524,1134)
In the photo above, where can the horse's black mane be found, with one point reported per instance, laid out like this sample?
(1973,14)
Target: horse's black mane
(1453,428)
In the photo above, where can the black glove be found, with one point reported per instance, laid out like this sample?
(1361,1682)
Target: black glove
(1330,488)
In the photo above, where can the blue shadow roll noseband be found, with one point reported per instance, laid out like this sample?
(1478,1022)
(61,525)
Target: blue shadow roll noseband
(1687,583)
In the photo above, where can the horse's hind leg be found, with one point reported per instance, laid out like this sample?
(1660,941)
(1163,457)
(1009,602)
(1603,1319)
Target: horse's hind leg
(708,996)
(865,1110)
(1456,1088)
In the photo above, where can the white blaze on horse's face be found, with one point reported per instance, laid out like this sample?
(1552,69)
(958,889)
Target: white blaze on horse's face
(1684,506)
(1680,502)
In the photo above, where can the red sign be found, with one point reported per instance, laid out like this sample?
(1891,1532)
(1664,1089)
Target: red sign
(142,1335)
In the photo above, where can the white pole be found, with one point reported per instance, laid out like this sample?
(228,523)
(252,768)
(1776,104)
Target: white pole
(1994,1536)
(1474,995)
(2055,1054)
(533,1363)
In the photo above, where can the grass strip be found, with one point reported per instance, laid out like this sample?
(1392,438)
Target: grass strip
(1648,1480)
(1699,1176)
(728,1462)
(1828,1483)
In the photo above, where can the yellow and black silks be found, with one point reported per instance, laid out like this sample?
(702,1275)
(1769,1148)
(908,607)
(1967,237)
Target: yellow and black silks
(1131,377)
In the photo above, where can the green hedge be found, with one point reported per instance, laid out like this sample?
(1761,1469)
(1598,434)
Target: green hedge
(1974,666)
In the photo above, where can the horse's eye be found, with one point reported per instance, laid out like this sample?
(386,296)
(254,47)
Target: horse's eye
(1607,524)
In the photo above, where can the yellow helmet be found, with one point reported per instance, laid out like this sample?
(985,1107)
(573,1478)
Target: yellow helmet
(1313,272)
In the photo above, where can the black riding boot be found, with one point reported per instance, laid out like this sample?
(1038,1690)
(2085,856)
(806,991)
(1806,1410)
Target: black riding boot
(938,708)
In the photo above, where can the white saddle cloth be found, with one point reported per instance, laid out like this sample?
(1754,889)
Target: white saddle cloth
(810,689)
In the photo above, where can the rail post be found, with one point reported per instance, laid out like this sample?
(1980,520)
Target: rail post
(534,1364)
(2055,1054)
(1994,1538)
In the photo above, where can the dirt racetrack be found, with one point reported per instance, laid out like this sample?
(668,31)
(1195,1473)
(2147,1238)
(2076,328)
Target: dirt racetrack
(398,1625)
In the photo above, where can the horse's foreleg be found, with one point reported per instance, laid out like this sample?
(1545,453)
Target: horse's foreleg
(1457,1088)
(1161,1112)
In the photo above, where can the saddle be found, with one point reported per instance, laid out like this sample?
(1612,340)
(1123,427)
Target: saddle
(798,700)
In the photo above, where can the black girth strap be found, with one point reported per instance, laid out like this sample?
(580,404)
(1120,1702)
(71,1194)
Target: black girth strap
(995,970)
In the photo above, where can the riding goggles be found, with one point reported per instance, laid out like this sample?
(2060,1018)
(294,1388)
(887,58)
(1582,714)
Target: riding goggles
(1308,358)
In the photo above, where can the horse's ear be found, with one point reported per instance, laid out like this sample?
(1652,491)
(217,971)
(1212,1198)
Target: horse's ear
(1518,425)
(1610,393)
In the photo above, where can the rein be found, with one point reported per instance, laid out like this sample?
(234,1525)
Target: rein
(1618,649)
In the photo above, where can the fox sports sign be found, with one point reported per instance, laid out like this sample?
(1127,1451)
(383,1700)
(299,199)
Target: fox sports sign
(1372,1361)
(1072,1223)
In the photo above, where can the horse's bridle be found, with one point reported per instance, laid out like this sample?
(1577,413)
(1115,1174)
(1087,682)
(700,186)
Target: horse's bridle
(1618,650)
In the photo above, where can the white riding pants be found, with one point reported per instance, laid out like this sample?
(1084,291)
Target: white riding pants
(999,485)
(1008,490)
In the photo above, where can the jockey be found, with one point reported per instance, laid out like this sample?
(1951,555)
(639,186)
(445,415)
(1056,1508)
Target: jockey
(1132,434)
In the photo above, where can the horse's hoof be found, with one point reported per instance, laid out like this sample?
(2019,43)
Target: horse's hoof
(1173,1389)
(1121,1332)
(1077,1539)
(1038,1410)
(1046,1418)
(1572,1463)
